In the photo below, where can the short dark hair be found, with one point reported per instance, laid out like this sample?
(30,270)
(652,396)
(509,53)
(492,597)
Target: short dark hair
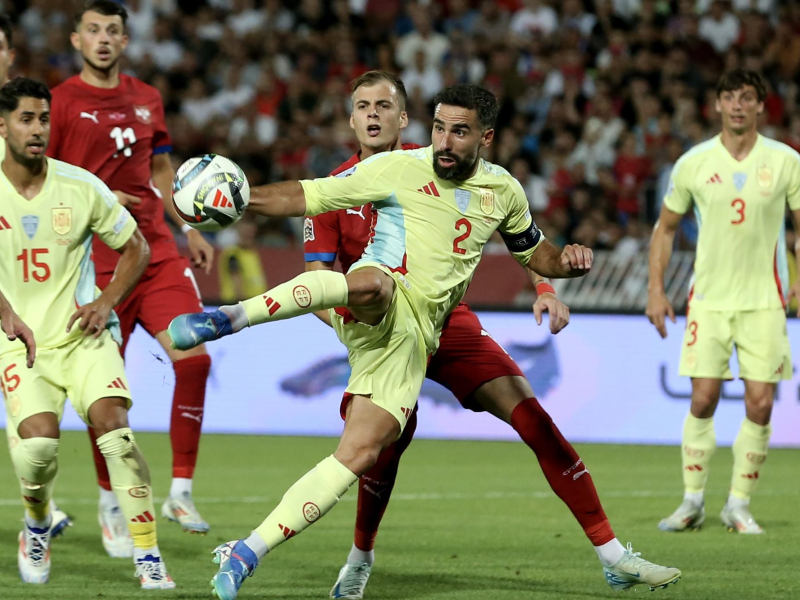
(471,97)
(736,79)
(374,77)
(6,27)
(21,87)
(107,8)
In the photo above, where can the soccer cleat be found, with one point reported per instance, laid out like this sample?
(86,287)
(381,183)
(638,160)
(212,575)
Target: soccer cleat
(182,510)
(740,519)
(687,516)
(352,581)
(117,538)
(152,573)
(631,570)
(61,521)
(190,330)
(236,563)
(33,556)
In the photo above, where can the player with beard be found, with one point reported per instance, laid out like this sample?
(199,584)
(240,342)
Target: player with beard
(433,210)
(113,125)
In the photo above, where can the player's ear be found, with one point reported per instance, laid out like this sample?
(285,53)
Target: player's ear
(487,137)
(12,55)
(352,122)
(403,119)
(125,40)
(75,39)
(3,128)
(717,105)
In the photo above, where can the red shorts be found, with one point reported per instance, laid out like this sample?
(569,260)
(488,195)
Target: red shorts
(167,289)
(468,357)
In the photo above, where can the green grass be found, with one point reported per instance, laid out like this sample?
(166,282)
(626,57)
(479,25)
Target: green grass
(469,520)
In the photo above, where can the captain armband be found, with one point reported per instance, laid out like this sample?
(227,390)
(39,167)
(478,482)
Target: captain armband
(523,241)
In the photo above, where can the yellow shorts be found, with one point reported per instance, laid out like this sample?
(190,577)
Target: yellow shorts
(85,370)
(388,360)
(760,338)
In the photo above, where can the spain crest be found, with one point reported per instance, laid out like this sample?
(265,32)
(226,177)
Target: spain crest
(765,177)
(487,201)
(62,220)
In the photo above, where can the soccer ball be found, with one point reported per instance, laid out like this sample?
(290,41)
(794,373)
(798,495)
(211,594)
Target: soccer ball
(210,192)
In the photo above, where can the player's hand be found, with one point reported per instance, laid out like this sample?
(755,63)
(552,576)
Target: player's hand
(794,292)
(658,307)
(559,312)
(577,259)
(202,251)
(126,199)
(15,328)
(93,317)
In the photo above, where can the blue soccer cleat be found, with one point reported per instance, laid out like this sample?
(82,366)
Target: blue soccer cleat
(190,330)
(236,562)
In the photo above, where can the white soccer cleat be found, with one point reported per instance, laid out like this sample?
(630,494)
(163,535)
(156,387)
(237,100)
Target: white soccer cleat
(352,581)
(60,521)
(688,515)
(631,570)
(740,519)
(182,510)
(152,573)
(33,556)
(117,538)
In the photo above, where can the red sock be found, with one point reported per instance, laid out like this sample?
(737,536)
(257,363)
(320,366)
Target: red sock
(375,488)
(103,478)
(187,412)
(563,468)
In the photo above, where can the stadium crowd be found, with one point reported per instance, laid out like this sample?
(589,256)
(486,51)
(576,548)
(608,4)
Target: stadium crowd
(598,97)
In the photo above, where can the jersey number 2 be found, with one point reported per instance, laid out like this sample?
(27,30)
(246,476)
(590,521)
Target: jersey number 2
(40,271)
(739,205)
(467,230)
(120,136)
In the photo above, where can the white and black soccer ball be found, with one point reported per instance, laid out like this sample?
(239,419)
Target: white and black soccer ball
(210,192)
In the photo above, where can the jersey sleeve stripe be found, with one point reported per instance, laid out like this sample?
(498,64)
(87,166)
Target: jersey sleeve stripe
(321,256)
(81,175)
(162,150)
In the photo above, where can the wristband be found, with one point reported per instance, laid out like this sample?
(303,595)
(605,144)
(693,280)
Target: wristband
(544,287)
(185,228)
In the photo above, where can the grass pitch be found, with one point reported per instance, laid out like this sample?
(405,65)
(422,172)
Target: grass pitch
(468,520)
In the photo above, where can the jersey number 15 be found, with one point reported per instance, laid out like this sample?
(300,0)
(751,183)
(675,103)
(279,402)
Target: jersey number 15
(40,271)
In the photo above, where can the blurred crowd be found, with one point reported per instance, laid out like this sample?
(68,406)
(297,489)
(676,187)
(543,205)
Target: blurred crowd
(598,97)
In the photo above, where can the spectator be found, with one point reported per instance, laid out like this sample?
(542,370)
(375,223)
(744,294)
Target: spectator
(719,27)
(536,18)
(434,45)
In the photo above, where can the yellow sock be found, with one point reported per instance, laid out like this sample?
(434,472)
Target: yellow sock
(36,464)
(306,501)
(306,293)
(699,443)
(130,480)
(749,453)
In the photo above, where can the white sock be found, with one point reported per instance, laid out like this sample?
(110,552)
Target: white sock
(237,315)
(180,485)
(358,556)
(53,506)
(610,552)
(257,544)
(33,523)
(695,498)
(108,499)
(736,502)
(139,553)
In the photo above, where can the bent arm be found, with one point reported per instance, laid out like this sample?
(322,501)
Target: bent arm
(549,260)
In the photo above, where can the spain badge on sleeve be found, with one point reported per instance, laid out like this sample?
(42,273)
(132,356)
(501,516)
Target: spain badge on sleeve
(62,220)
(487,201)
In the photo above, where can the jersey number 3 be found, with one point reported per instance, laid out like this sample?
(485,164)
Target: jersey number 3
(120,137)
(467,230)
(739,205)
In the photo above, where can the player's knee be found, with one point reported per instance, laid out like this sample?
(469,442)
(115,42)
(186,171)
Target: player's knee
(120,445)
(759,407)
(366,288)
(704,404)
(35,461)
(360,458)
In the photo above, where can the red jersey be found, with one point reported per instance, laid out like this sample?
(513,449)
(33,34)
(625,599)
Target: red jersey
(114,133)
(343,233)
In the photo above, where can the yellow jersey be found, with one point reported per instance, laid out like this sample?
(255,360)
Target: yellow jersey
(430,230)
(740,208)
(46,268)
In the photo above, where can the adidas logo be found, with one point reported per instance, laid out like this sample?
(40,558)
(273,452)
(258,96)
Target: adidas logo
(272,305)
(287,533)
(429,190)
(117,383)
(221,200)
(4,224)
(715,179)
(750,475)
(145,517)
(693,468)
(406,411)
